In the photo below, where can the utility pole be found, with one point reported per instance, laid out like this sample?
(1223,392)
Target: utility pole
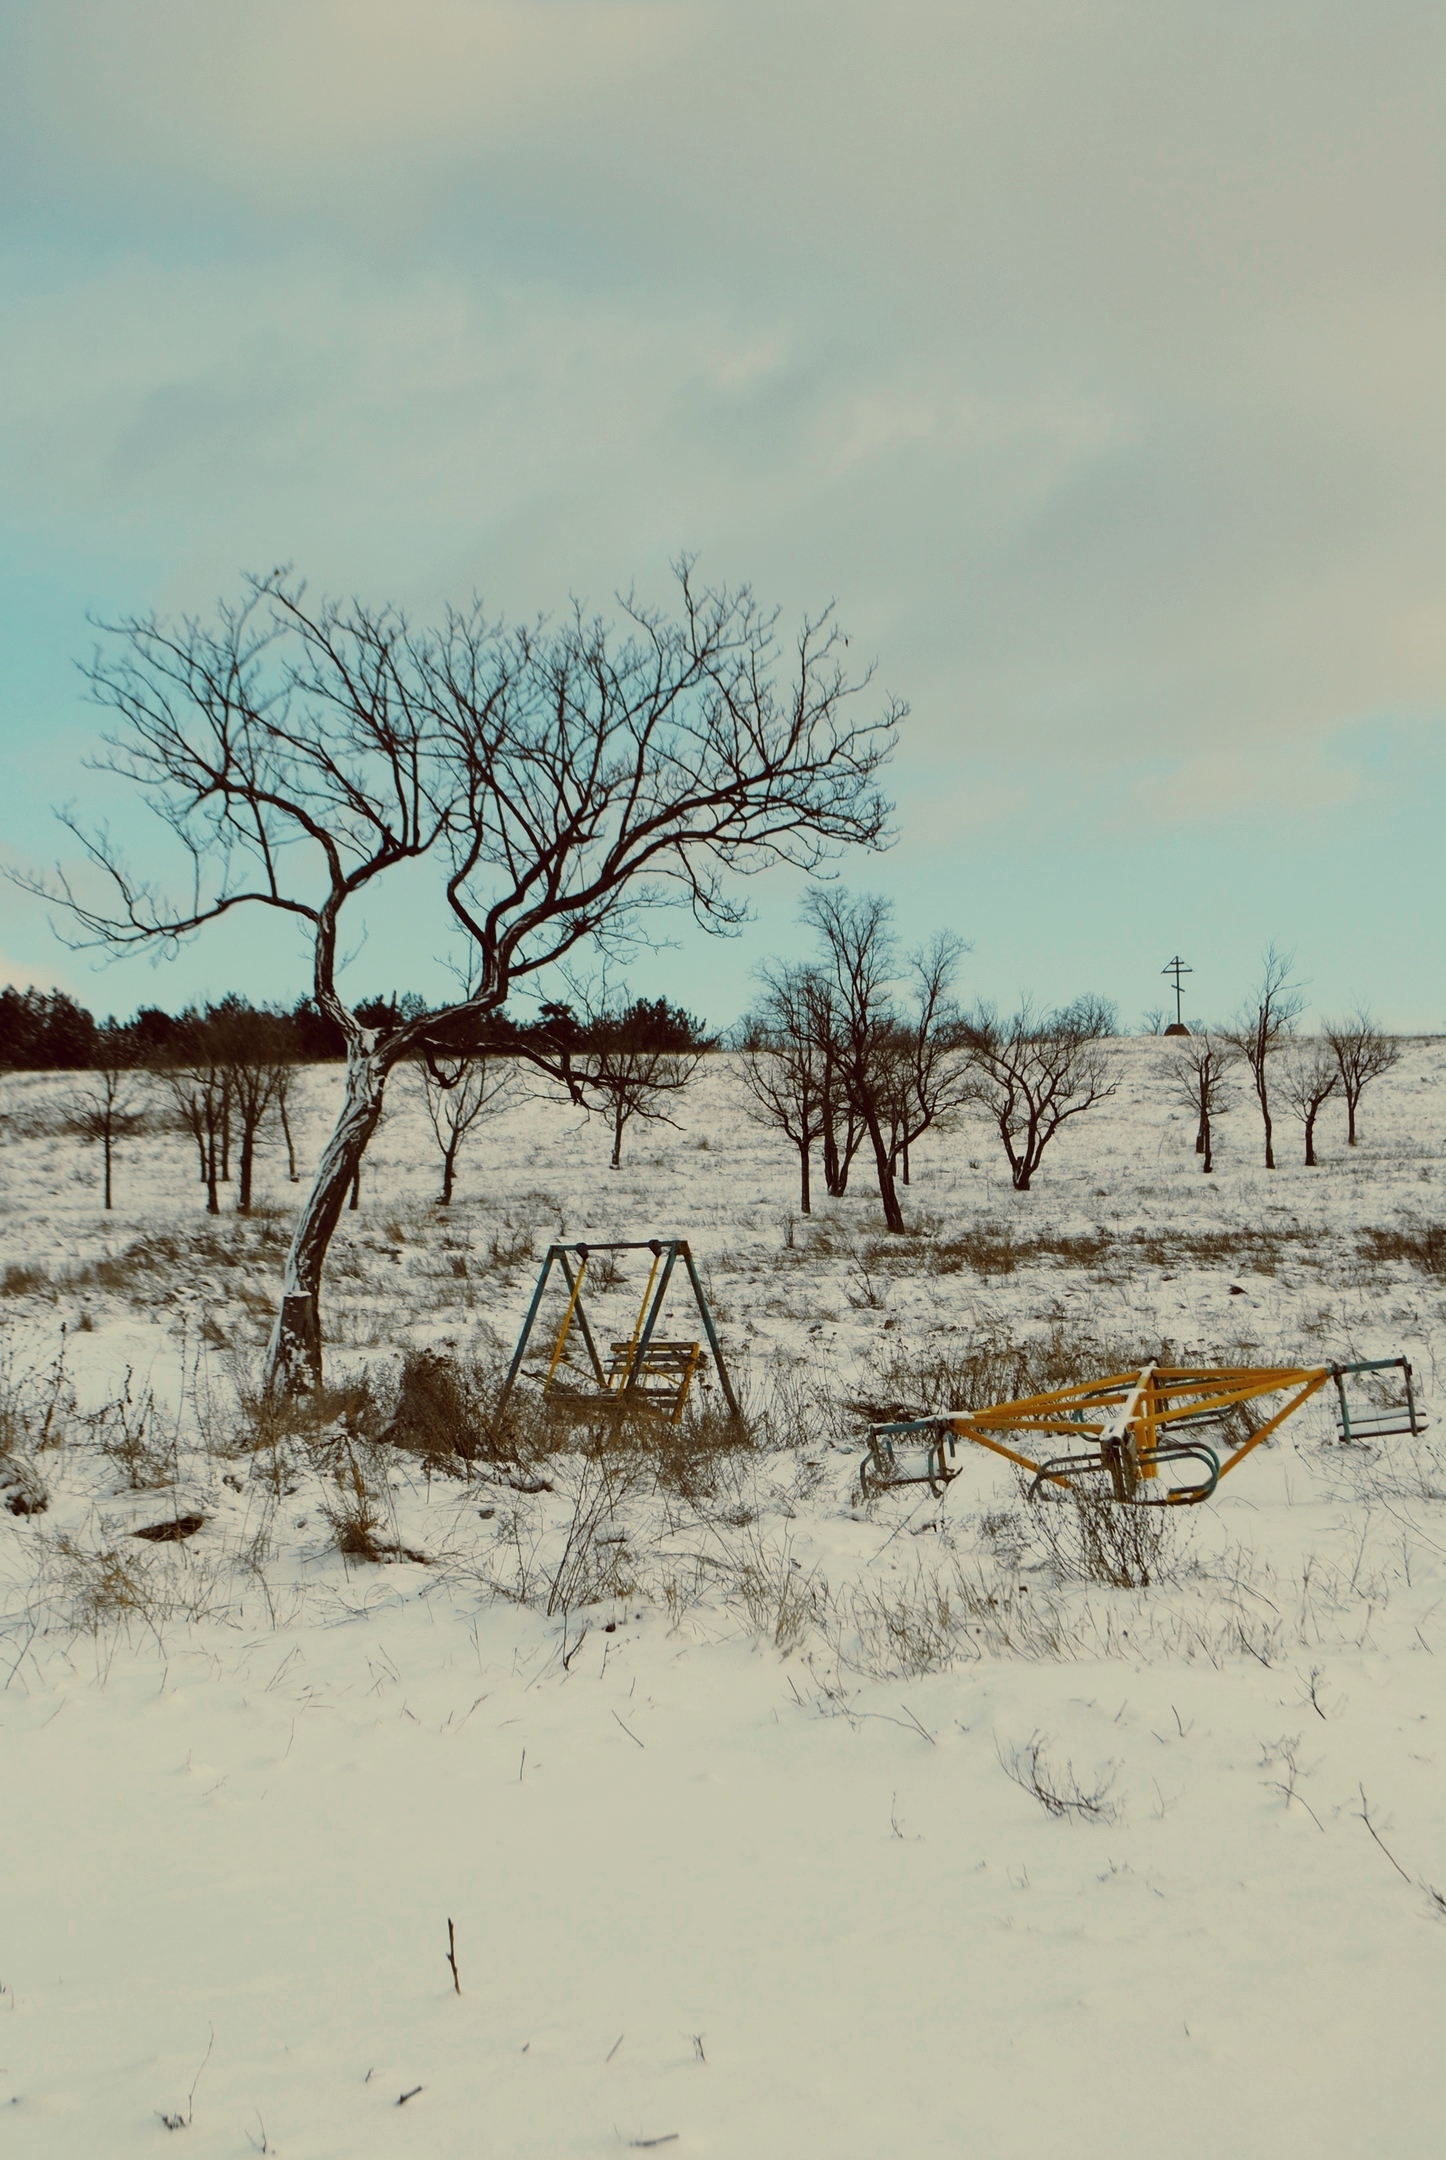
(1176,968)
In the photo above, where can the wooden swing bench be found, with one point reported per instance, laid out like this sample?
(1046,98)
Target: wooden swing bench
(642,1371)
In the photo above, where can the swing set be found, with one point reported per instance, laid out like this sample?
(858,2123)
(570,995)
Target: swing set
(642,1371)
(1131,1427)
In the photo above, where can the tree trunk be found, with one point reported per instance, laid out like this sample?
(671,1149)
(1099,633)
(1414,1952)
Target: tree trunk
(1265,1120)
(1310,1161)
(105,1144)
(893,1213)
(213,1203)
(1204,1146)
(830,1136)
(291,1169)
(1351,1101)
(619,1120)
(906,1154)
(449,1167)
(248,1157)
(226,1130)
(805,1194)
(355,1201)
(293,1358)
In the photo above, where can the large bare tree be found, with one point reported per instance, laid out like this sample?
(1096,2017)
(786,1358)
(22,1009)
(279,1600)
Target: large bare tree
(566,777)
(1263,1024)
(1034,1071)
(1362,1054)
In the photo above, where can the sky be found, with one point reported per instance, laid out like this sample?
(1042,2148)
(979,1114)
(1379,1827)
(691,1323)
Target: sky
(1087,356)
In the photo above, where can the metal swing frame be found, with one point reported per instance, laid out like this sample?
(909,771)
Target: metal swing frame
(623,1374)
(1126,1428)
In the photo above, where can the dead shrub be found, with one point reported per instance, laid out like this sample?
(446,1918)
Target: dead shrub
(780,1598)
(1090,1536)
(441,1411)
(1420,1245)
(1059,1792)
(22,1281)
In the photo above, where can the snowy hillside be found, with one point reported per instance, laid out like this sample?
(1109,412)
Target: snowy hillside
(770,1822)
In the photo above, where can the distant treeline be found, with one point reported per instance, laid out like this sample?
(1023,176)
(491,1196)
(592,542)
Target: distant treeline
(46,1031)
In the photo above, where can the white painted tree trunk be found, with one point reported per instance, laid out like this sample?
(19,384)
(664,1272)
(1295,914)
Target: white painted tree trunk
(293,1357)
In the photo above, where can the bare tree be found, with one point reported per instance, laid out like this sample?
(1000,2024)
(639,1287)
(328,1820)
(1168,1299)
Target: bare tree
(842,1131)
(1309,1077)
(252,1051)
(1263,1023)
(195,1080)
(858,948)
(1362,1054)
(285,1084)
(1200,1072)
(110,1107)
(781,1061)
(1034,1071)
(458,1094)
(570,777)
(634,1060)
(929,1078)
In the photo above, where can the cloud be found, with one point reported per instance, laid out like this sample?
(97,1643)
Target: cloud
(1089,357)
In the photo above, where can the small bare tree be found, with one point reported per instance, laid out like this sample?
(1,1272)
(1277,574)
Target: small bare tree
(634,1061)
(929,1079)
(1036,1070)
(1362,1054)
(781,1062)
(252,1052)
(458,1094)
(570,777)
(1263,1023)
(110,1107)
(1200,1076)
(858,946)
(196,1082)
(842,1133)
(285,1088)
(1309,1077)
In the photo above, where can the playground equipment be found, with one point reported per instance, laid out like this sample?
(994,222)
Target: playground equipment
(1130,1427)
(643,1370)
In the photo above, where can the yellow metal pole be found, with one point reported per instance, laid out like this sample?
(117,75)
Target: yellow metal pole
(562,1333)
(627,1372)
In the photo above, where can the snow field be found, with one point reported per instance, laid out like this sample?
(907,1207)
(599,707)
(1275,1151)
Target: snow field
(733,1849)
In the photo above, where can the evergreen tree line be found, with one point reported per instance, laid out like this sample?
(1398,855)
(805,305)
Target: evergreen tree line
(47,1031)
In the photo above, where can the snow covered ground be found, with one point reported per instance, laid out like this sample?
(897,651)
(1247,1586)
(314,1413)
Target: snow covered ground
(738,1839)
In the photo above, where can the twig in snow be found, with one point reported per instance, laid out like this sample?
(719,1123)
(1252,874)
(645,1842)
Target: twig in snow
(1366,1819)
(183,2122)
(452,1956)
(636,1743)
(669,2137)
(917,1726)
(403,2098)
(615,2046)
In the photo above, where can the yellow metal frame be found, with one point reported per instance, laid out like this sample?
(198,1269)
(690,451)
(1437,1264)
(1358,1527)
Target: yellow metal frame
(1152,1408)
